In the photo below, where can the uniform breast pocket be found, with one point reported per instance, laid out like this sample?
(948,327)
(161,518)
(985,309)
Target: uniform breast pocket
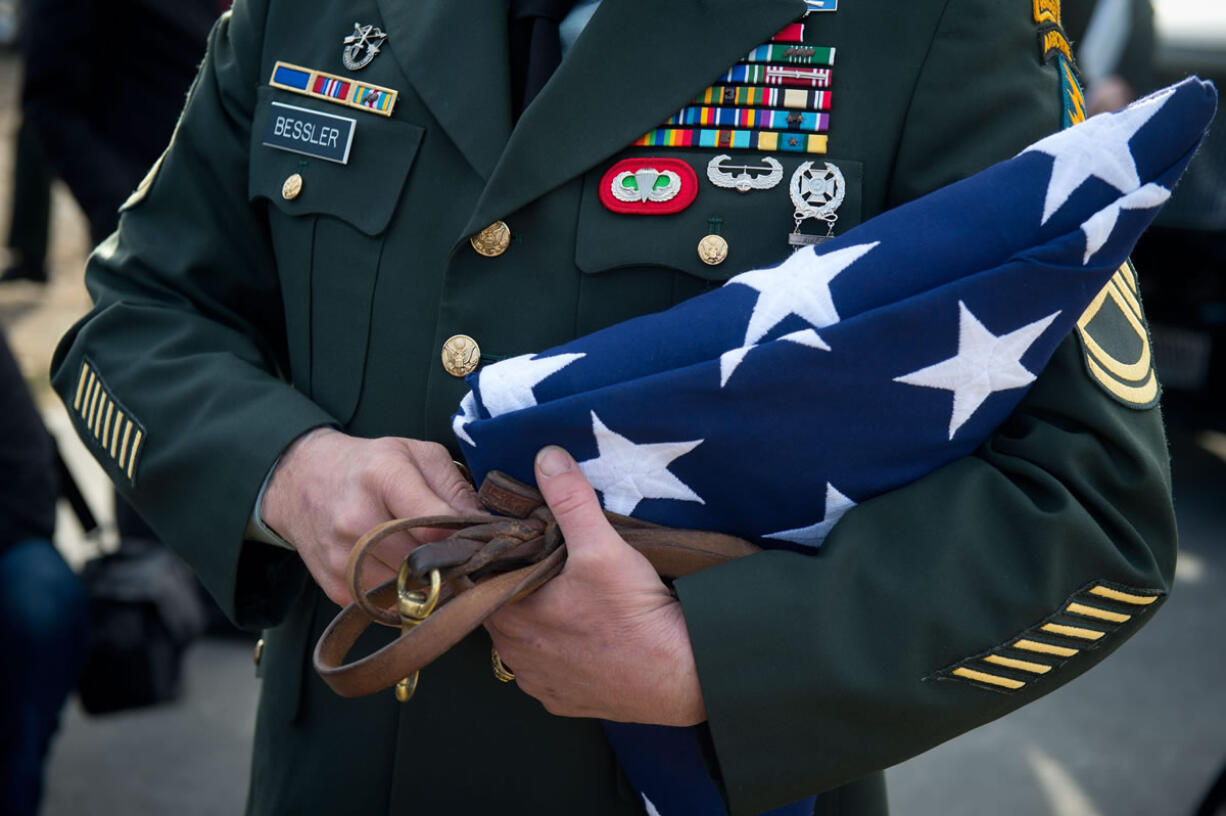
(333,177)
(658,227)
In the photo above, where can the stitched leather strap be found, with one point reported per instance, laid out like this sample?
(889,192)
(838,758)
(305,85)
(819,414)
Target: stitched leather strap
(488,562)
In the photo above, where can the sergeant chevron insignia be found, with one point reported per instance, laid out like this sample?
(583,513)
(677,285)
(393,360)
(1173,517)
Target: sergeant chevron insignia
(1115,343)
(648,186)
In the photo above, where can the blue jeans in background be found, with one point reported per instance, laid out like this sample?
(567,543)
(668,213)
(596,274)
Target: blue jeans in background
(44,634)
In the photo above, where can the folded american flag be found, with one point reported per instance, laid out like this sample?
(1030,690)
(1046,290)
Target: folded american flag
(844,372)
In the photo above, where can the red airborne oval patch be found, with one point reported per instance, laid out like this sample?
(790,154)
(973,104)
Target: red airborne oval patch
(648,186)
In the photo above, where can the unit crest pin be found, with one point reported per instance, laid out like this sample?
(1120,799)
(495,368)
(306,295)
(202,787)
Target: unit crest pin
(719,174)
(362,46)
(816,193)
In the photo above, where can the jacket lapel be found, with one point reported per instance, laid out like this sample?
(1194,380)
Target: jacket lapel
(637,63)
(455,55)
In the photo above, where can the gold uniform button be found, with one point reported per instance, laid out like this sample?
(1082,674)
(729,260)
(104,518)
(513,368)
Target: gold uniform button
(292,187)
(461,355)
(493,240)
(259,651)
(713,249)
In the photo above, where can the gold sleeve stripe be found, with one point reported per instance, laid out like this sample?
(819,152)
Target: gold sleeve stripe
(1123,597)
(1095,612)
(93,405)
(123,449)
(96,426)
(1044,648)
(135,448)
(1134,305)
(990,679)
(1135,394)
(76,403)
(1125,271)
(115,432)
(89,394)
(106,424)
(1072,631)
(1024,665)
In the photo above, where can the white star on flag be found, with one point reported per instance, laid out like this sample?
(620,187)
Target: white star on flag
(651,808)
(507,386)
(732,358)
(626,473)
(984,364)
(468,413)
(1099,149)
(799,286)
(812,536)
(1098,226)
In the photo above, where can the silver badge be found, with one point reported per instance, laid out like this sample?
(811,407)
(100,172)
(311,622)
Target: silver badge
(648,184)
(815,194)
(362,46)
(720,174)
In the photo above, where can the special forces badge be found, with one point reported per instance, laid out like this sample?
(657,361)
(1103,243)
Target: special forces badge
(362,46)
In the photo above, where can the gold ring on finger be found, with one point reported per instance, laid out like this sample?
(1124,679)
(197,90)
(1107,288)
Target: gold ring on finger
(501,672)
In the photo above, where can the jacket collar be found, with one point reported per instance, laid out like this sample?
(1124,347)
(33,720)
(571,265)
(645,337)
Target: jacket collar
(454,52)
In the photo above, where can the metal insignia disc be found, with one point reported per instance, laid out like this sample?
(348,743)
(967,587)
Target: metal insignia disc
(817,193)
(362,46)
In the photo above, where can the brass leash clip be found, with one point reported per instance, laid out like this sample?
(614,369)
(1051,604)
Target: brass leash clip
(415,606)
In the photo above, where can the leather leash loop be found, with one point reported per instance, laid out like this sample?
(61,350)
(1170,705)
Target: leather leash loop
(490,561)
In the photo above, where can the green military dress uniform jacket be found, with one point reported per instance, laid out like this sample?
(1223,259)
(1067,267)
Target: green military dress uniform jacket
(231,317)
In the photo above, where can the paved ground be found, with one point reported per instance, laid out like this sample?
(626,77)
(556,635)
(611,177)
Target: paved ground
(1142,734)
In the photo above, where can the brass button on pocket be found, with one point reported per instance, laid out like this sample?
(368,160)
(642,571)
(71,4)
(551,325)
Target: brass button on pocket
(493,240)
(713,250)
(461,355)
(259,652)
(292,187)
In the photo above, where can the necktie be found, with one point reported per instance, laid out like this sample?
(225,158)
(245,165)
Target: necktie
(536,49)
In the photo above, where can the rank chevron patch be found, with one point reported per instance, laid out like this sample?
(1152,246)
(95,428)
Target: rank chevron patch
(1115,342)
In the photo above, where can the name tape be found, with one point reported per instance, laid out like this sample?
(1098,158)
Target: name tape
(310,133)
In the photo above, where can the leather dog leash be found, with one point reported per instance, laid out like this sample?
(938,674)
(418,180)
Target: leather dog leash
(447,588)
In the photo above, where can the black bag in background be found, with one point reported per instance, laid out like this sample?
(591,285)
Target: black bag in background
(144,611)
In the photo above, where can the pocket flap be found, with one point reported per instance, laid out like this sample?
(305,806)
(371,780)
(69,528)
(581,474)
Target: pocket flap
(363,191)
(755,224)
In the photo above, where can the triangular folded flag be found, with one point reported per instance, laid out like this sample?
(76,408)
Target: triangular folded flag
(848,370)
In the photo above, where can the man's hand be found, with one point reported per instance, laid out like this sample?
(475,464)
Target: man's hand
(330,488)
(604,638)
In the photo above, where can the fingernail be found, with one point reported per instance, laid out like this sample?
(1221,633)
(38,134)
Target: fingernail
(552,460)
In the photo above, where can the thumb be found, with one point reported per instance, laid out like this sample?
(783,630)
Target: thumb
(573,501)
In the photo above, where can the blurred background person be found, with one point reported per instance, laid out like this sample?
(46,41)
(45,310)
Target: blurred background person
(103,87)
(31,210)
(43,607)
(1114,41)
(104,84)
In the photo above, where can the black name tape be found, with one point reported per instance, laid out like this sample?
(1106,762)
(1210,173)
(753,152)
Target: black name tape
(311,133)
